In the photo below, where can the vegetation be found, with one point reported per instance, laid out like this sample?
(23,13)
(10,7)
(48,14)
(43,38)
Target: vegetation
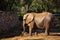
(24,6)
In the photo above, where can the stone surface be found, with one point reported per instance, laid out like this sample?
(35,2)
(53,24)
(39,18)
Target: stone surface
(8,20)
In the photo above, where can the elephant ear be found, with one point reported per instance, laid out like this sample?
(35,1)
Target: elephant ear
(25,16)
(29,18)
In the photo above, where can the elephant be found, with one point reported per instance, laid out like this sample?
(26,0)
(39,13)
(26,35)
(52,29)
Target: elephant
(42,20)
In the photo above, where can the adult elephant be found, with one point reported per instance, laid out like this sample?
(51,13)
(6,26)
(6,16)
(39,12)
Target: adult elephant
(42,20)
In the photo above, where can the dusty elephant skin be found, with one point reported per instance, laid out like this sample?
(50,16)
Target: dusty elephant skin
(42,20)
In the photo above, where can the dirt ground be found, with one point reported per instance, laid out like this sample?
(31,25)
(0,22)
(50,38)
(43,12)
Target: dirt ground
(41,36)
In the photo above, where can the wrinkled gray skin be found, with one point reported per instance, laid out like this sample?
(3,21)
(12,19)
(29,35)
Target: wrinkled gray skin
(42,20)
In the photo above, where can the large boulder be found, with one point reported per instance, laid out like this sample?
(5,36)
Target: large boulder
(8,20)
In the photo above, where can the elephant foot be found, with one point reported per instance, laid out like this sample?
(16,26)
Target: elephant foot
(36,34)
(46,34)
(30,34)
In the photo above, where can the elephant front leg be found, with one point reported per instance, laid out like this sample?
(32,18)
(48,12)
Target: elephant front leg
(31,25)
(30,31)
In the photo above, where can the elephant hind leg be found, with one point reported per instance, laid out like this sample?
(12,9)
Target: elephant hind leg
(47,31)
(46,24)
